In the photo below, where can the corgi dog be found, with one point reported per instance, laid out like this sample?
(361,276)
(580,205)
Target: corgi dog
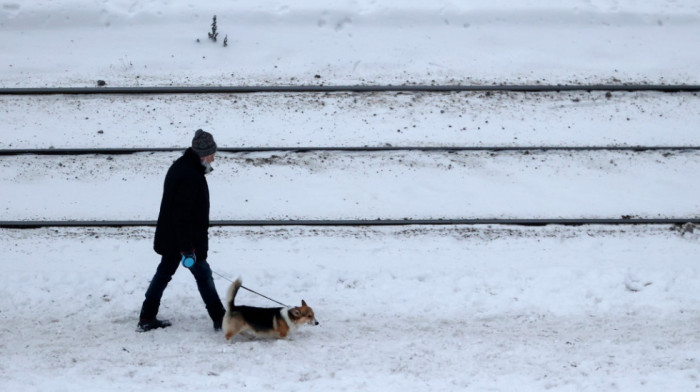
(269,322)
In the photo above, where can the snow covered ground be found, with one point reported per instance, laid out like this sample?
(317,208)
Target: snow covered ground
(354,120)
(401,308)
(375,185)
(488,308)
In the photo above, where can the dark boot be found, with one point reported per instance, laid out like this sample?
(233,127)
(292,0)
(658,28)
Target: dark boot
(147,325)
(216,313)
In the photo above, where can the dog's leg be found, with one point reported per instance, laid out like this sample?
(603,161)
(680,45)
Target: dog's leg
(233,327)
(282,328)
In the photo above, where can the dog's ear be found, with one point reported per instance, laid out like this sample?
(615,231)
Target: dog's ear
(295,313)
(303,303)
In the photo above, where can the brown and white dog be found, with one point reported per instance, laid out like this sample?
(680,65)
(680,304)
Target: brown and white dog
(269,322)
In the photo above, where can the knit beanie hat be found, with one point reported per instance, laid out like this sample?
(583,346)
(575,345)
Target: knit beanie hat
(203,143)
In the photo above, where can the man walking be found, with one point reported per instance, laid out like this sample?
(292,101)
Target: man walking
(182,232)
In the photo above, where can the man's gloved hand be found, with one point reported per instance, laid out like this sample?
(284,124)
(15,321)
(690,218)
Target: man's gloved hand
(188,259)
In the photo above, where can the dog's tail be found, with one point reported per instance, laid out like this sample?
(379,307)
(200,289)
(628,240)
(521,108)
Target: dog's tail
(231,295)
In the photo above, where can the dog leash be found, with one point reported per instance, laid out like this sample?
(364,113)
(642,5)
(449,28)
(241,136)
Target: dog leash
(252,291)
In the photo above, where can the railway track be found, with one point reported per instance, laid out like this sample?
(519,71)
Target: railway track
(354,89)
(375,222)
(623,220)
(124,151)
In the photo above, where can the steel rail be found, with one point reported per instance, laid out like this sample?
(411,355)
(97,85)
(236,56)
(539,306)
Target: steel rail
(27,224)
(671,88)
(123,151)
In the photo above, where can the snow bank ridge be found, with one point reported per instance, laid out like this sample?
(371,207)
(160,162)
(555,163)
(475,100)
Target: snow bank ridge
(338,15)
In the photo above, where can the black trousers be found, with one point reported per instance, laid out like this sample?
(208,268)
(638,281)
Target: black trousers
(164,273)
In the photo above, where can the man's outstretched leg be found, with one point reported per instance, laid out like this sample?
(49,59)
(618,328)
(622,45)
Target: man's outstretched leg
(149,309)
(205,283)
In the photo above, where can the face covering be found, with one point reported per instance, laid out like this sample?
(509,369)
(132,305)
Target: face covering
(207,167)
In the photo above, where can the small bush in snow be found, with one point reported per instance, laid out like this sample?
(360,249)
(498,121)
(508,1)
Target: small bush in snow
(214,34)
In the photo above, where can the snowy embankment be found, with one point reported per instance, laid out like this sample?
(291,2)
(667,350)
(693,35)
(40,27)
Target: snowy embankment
(401,308)
(76,43)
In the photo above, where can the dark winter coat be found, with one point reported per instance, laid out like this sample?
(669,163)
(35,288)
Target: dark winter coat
(183,222)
